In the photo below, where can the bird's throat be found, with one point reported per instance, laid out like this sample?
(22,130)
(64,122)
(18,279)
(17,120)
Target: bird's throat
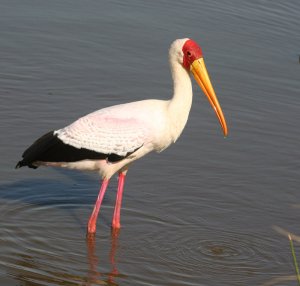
(181,102)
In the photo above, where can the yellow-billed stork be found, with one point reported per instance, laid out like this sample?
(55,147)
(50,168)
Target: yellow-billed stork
(109,139)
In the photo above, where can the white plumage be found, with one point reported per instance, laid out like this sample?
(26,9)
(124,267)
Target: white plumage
(107,131)
(120,129)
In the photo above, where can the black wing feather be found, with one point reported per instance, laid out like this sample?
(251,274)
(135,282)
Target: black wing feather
(49,148)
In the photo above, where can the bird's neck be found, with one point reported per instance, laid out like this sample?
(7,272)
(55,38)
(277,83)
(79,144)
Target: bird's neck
(180,105)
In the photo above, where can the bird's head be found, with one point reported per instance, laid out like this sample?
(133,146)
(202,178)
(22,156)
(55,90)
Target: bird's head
(189,54)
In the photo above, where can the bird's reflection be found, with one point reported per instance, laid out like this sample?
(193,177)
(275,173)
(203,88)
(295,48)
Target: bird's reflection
(93,260)
(26,268)
(94,275)
(112,254)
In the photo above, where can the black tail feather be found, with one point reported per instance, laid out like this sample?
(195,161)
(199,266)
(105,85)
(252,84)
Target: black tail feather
(49,148)
(36,150)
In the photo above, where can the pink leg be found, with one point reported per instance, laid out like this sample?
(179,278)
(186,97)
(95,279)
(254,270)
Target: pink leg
(116,219)
(91,228)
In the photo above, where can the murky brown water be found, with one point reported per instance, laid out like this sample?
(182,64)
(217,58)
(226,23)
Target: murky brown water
(202,212)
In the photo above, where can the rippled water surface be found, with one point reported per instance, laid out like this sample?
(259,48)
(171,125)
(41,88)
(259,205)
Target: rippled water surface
(207,210)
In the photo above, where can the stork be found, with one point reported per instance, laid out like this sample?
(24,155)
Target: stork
(110,139)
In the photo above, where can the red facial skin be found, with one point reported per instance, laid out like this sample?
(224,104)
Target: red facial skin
(191,51)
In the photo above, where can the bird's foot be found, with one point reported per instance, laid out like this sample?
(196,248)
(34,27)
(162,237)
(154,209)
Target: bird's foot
(90,233)
(115,225)
(91,229)
(115,231)
(90,237)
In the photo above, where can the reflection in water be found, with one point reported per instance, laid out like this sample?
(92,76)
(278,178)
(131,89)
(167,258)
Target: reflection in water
(28,269)
(112,255)
(93,260)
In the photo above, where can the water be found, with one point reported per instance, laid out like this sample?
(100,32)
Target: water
(204,212)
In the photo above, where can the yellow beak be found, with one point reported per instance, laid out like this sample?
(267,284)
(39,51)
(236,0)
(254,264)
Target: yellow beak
(201,76)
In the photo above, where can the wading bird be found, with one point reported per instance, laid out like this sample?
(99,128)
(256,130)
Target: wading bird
(110,139)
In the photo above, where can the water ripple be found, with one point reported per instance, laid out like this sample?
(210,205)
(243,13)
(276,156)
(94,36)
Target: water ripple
(45,244)
(189,249)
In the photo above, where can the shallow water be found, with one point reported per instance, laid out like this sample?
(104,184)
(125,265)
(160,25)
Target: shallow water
(203,212)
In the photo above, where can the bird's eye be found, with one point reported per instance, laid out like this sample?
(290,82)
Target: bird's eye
(189,54)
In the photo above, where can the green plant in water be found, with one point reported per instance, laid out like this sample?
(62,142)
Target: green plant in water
(295,259)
